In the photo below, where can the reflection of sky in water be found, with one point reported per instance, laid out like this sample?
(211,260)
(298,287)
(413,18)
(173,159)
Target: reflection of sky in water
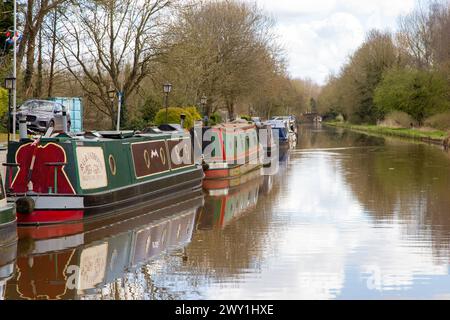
(316,239)
(325,246)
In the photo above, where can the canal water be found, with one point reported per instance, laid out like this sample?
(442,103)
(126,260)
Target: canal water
(348,216)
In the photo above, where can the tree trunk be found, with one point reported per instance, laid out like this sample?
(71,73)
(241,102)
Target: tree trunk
(30,51)
(230,107)
(53,55)
(38,89)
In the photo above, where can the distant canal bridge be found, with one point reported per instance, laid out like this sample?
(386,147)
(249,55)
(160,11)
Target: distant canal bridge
(310,117)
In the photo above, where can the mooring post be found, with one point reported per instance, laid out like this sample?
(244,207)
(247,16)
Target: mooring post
(23,131)
(64,119)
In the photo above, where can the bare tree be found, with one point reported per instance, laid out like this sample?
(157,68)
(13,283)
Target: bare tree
(416,35)
(51,32)
(34,13)
(224,49)
(111,44)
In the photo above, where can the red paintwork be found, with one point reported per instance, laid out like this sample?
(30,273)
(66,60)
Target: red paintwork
(51,284)
(50,216)
(48,232)
(42,176)
(233,130)
(217,174)
(216,184)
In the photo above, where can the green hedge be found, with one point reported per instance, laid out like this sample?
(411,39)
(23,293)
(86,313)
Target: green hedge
(174,115)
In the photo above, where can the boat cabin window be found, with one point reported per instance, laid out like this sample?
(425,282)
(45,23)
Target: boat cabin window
(213,152)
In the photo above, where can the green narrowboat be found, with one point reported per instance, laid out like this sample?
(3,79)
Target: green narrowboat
(67,178)
(7,211)
(230,150)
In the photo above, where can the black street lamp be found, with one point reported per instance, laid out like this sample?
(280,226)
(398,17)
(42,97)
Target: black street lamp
(10,85)
(111,94)
(167,88)
(203,102)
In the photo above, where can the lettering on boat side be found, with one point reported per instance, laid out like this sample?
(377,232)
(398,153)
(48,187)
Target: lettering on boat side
(91,168)
(92,268)
(149,158)
(180,153)
(155,157)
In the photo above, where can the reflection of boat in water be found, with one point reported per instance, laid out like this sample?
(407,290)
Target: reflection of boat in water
(229,204)
(267,185)
(8,240)
(8,253)
(218,185)
(68,178)
(80,263)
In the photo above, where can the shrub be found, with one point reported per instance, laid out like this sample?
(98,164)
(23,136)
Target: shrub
(419,93)
(196,116)
(398,119)
(340,118)
(439,121)
(173,116)
(149,109)
(216,118)
(3,110)
(136,124)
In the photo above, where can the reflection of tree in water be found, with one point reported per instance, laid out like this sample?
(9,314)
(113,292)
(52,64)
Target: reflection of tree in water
(408,182)
(221,254)
(328,138)
(240,244)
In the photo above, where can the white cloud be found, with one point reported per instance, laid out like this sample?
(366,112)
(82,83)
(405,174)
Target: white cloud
(319,35)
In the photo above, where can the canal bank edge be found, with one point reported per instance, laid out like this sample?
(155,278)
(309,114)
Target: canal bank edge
(436,137)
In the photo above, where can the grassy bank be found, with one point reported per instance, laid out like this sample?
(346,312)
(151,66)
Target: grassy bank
(429,136)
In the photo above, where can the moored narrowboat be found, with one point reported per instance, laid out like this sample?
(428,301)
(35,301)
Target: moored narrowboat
(230,150)
(67,178)
(7,212)
(287,137)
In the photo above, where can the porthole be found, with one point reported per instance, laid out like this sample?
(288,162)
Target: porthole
(163,156)
(112,165)
(147,159)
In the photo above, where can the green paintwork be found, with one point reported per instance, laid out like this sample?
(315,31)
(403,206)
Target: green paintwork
(120,149)
(7,215)
(235,144)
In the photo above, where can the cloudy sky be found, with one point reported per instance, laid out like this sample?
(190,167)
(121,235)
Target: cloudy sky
(318,35)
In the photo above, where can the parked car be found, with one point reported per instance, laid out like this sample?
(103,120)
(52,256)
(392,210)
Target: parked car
(43,114)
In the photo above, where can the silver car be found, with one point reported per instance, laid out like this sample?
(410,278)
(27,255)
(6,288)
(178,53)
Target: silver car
(42,114)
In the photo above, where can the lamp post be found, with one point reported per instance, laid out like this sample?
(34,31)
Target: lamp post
(167,88)
(14,72)
(203,102)
(111,95)
(10,85)
(119,108)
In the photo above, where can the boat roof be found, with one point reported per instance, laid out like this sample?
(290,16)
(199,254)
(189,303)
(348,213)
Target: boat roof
(236,125)
(163,132)
(277,123)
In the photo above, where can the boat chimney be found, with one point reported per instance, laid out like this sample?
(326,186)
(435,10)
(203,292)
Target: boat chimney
(23,131)
(64,119)
(183,119)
